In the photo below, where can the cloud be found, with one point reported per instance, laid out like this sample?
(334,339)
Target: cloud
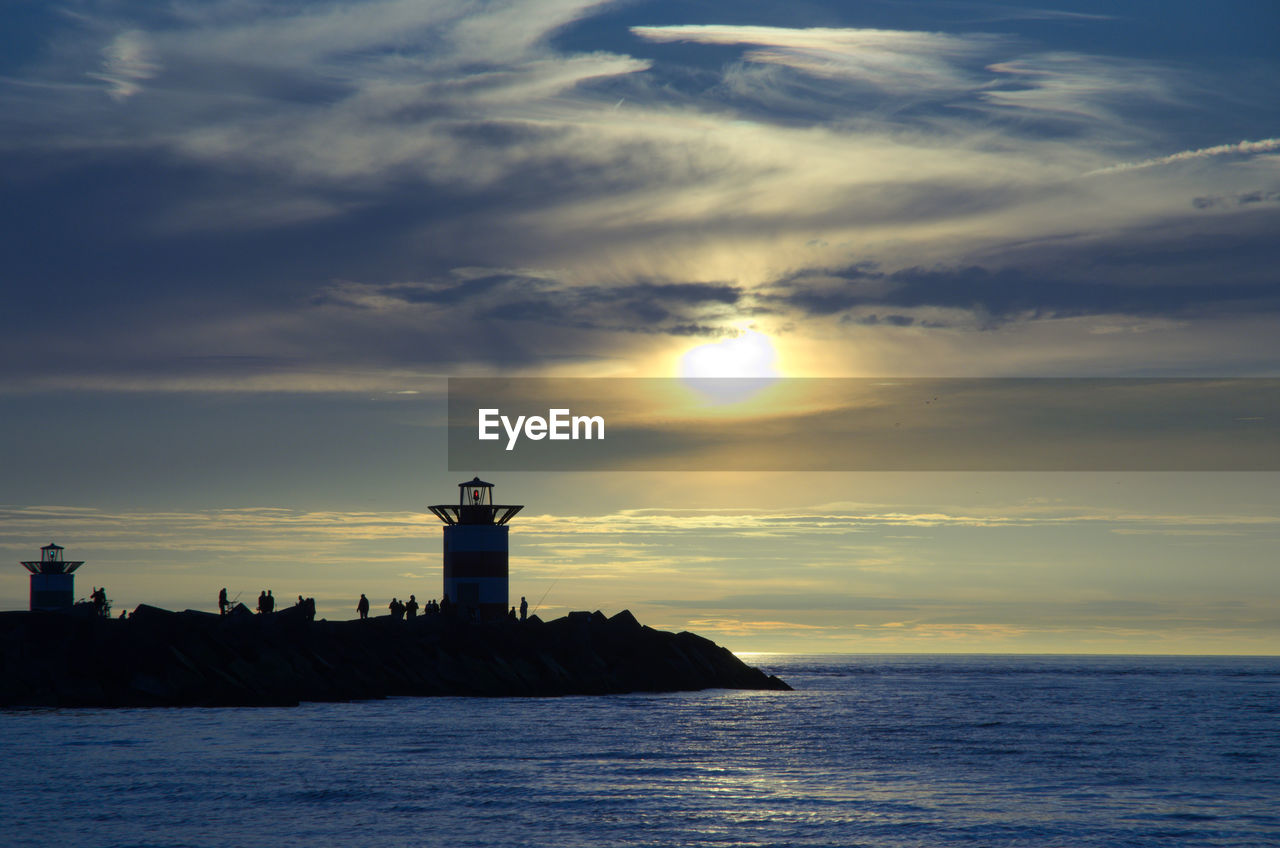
(999,13)
(1240,148)
(304,187)
(127,62)
(335,536)
(797,601)
(1242,199)
(751,627)
(912,68)
(1078,87)
(844,569)
(644,307)
(989,297)
(840,520)
(895,61)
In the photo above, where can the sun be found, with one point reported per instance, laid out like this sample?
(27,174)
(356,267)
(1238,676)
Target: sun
(730,371)
(749,355)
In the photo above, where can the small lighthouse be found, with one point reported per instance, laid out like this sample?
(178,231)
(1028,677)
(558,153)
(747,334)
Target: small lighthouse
(53,582)
(475,549)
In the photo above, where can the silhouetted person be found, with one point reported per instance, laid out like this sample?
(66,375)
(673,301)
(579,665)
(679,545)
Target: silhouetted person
(524,609)
(512,614)
(309,609)
(446,606)
(411,608)
(99,598)
(300,603)
(363,607)
(262,601)
(222,602)
(271,602)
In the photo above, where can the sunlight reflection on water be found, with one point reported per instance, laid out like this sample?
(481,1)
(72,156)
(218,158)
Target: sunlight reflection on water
(879,751)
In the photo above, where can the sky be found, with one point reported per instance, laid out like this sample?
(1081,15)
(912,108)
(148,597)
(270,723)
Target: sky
(244,244)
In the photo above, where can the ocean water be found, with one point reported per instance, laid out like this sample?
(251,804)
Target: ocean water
(869,751)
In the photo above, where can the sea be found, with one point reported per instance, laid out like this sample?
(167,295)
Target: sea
(873,750)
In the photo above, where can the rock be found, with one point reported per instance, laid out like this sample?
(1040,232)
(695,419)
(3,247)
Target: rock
(161,658)
(624,621)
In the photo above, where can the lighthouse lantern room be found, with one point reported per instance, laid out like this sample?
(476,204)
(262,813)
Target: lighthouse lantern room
(53,582)
(476,550)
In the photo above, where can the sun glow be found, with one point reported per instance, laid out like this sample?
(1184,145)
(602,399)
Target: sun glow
(732,370)
(750,354)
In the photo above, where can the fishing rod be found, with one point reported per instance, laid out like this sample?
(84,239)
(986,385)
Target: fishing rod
(544,595)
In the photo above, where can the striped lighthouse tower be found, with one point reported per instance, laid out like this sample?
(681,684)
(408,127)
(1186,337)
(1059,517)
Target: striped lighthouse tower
(53,580)
(475,550)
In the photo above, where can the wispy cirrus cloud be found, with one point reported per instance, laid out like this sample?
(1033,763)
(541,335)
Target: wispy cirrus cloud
(895,61)
(1241,148)
(275,531)
(1078,87)
(852,572)
(957,70)
(126,64)
(415,143)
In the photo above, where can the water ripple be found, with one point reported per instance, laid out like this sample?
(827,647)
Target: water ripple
(881,752)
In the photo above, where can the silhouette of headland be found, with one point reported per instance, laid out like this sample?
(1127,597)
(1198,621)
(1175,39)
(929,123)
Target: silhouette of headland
(156,658)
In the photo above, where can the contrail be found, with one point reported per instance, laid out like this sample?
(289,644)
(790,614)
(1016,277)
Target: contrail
(1263,146)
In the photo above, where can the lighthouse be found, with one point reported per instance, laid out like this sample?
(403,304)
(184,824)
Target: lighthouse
(53,581)
(475,550)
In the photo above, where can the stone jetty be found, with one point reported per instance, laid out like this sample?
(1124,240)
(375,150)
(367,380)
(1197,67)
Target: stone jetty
(159,658)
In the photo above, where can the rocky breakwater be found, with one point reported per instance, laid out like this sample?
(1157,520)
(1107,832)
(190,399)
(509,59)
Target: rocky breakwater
(162,658)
